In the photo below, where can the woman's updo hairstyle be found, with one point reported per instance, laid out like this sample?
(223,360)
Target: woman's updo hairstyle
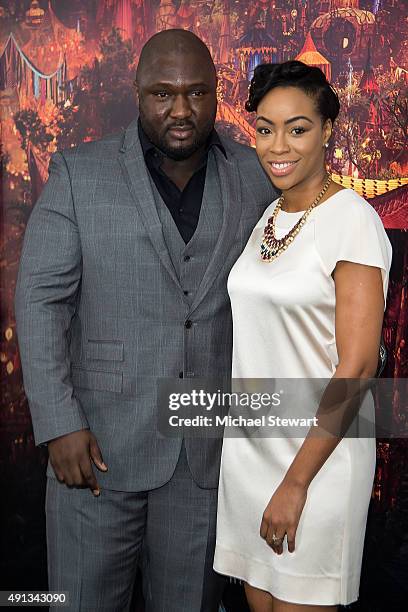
(294,74)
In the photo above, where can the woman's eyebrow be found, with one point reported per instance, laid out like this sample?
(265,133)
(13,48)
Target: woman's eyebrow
(291,120)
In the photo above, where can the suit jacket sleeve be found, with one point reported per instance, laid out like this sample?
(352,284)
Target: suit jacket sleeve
(47,290)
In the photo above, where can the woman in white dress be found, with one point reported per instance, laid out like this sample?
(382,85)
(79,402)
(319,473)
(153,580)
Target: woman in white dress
(309,303)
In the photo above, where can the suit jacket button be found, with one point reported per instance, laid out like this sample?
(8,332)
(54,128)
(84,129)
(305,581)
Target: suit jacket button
(188,324)
(181,375)
(186,258)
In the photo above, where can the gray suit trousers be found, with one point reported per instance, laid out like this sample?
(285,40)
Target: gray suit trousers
(95,544)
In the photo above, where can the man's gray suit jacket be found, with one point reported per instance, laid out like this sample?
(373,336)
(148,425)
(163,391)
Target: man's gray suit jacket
(101,311)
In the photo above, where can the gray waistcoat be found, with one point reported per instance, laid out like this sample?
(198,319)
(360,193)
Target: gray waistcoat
(204,239)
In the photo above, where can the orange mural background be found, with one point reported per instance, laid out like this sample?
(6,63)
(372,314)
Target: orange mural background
(66,72)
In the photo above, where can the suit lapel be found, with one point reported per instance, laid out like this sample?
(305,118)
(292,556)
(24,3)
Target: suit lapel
(231,197)
(137,179)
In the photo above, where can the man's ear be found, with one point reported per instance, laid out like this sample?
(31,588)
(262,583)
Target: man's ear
(136,90)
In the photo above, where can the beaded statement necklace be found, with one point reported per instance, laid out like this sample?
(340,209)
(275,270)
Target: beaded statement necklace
(271,246)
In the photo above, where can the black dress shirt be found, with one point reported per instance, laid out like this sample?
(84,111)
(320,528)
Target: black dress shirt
(185,205)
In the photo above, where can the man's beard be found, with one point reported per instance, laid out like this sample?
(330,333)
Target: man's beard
(180,152)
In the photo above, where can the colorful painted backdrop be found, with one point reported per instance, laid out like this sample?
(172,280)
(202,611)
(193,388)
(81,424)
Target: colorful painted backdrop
(66,71)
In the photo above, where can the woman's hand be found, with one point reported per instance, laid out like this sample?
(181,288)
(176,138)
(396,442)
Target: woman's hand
(282,514)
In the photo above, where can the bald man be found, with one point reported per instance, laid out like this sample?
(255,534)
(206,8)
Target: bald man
(123,281)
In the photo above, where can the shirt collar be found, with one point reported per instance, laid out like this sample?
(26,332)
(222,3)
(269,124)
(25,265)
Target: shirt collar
(148,146)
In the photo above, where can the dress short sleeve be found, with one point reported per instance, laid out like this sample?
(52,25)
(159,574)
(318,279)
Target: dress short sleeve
(347,228)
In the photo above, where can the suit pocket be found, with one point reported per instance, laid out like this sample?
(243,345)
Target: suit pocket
(104,350)
(97,380)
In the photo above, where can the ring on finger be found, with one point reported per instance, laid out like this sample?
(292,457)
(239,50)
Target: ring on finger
(275,540)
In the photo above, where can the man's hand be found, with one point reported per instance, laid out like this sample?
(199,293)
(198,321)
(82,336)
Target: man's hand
(71,457)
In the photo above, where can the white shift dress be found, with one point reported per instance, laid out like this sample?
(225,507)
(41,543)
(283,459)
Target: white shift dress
(284,327)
